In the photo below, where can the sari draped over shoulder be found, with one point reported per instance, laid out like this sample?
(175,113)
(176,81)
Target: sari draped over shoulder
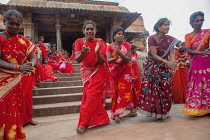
(122,98)
(156,94)
(198,80)
(13,92)
(96,84)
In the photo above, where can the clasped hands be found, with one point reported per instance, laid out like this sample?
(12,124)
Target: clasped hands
(26,68)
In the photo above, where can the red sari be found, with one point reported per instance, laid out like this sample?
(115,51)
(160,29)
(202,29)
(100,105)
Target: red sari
(39,73)
(15,88)
(52,62)
(43,49)
(69,68)
(73,55)
(136,84)
(156,88)
(122,98)
(92,112)
(179,83)
(48,76)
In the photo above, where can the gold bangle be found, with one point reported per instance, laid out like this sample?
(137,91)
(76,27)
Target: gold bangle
(17,68)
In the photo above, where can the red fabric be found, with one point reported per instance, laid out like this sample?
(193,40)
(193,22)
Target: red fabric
(69,68)
(92,112)
(179,83)
(122,98)
(52,62)
(48,70)
(15,97)
(136,84)
(61,57)
(43,49)
(39,73)
(26,109)
(73,55)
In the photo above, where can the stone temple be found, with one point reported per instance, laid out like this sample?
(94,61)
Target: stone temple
(61,21)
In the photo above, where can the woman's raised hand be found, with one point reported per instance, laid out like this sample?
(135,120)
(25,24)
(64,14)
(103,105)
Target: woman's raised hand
(98,46)
(85,49)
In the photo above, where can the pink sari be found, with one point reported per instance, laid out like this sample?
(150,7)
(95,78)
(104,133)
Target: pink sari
(198,88)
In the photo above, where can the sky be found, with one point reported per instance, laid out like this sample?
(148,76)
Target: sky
(177,11)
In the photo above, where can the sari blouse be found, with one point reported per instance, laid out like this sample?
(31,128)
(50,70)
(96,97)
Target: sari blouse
(124,48)
(203,37)
(163,46)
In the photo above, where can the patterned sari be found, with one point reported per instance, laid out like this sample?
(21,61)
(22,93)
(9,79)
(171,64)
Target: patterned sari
(156,94)
(96,85)
(122,98)
(13,92)
(198,88)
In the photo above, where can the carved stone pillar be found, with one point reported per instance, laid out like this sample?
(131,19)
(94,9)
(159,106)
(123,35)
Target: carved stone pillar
(28,26)
(28,29)
(58,32)
(58,36)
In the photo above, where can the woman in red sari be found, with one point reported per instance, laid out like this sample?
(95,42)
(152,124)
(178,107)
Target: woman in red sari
(198,81)
(136,79)
(91,53)
(156,88)
(73,52)
(68,65)
(118,54)
(42,47)
(48,71)
(15,82)
(179,83)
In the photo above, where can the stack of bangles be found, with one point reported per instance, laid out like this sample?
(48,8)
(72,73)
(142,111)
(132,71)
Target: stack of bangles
(17,68)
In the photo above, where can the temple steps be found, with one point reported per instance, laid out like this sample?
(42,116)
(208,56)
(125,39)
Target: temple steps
(59,108)
(62,97)
(57,90)
(59,84)
(70,78)
(49,99)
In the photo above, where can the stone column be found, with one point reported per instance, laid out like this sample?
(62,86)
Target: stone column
(58,36)
(58,32)
(28,25)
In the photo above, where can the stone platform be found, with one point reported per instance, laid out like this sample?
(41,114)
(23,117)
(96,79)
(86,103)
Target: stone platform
(179,127)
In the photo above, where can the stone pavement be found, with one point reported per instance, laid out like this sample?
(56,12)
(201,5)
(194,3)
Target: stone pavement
(179,127)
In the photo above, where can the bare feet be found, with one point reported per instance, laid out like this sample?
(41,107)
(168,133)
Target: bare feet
(80,130)
(117,119)
(132,113)
(160,119)
(33,123)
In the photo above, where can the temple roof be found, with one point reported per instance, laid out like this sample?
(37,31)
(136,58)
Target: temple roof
(64,5)
(54,7)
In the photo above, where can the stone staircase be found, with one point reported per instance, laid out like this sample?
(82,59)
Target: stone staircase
(58,98)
